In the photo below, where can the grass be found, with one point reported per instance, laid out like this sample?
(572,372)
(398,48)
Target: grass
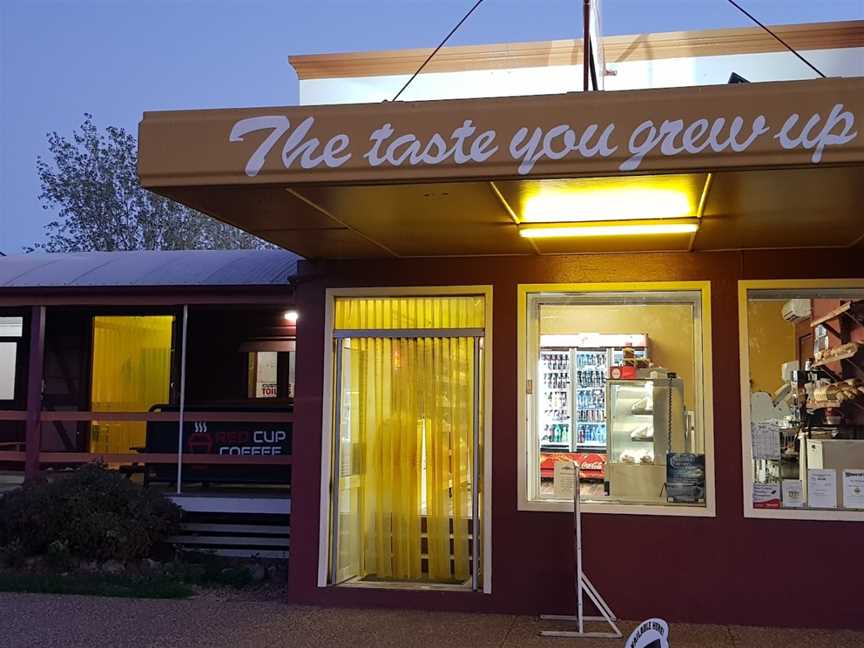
(156,586)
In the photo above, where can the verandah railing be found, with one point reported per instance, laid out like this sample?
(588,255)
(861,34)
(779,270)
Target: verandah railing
(15,452)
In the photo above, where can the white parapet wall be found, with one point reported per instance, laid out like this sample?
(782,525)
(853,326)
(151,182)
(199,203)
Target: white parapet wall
(659,73)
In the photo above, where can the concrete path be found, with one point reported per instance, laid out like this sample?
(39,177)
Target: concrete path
(212,621)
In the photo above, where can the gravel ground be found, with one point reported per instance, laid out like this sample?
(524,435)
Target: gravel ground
(223,621)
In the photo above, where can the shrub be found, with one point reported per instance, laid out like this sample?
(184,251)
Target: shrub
(92,513)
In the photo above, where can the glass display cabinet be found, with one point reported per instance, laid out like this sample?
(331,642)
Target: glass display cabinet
(646,419)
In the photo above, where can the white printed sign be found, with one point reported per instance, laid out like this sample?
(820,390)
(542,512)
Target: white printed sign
(766,440)
(822,488)
(470,143)
(766,496)
(653,633)
(853,489)
(793,493)
(564,479)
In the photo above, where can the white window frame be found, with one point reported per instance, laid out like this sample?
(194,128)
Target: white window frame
(746,440)
(331,294)
(526,467)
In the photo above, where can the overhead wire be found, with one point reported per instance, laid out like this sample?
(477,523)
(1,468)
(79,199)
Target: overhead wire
(440,45)
(776,37)
(479,2)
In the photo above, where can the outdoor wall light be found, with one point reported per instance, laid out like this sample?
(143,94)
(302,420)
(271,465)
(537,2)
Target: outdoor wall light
(610,228)
(291,316)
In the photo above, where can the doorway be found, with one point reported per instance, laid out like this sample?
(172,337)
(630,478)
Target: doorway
(405,504)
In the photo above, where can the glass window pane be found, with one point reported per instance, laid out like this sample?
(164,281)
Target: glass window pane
(620,393)
(131,372)
(266,375)
(292,361)
(8,352)
(11,326)
(806,398)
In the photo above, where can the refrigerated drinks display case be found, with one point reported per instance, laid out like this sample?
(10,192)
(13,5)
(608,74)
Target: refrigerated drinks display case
(590,398)
(646,419)
(572,388)
(555,398)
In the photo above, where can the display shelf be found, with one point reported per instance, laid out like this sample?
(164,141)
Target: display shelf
(629,425)
(817,405)
(845,352)
(834,314)
(846,308)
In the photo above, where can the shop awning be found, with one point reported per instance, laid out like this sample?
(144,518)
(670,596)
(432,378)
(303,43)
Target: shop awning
(749,166)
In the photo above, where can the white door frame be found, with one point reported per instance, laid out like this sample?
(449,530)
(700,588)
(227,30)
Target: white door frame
(329,391)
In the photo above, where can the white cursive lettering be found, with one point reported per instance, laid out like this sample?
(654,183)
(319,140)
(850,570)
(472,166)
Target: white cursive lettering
(825,137)
(294,146)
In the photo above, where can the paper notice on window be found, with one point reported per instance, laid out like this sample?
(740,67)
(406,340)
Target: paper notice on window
(853,489)
(766,496)
(766,440)
(822,488)
(564,479)
(793,493)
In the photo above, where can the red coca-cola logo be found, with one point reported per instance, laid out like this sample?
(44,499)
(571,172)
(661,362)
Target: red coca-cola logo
(591,465)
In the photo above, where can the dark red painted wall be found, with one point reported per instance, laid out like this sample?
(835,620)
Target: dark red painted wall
(723,569)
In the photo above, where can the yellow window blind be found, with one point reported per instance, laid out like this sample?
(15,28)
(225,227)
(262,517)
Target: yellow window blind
(409,312)
(131,373)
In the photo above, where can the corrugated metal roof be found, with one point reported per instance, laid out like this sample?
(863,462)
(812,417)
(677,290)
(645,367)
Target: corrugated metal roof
(148,268)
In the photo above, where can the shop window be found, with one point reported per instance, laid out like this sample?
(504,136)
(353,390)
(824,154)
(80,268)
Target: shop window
(11,330)
(802,379)
(265,377)
(131,373)
(617,382)
(271,369)
(403,439)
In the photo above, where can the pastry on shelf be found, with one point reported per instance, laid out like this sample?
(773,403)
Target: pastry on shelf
(646,458)
(642,406)
(836,354)
(838,392)
(644,433)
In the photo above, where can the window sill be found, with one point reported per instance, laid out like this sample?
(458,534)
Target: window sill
(805,514)
(621,509)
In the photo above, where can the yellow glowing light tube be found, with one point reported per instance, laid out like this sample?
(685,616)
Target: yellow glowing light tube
(610,228)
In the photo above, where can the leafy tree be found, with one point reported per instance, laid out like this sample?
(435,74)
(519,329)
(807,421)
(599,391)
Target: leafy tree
(92,183)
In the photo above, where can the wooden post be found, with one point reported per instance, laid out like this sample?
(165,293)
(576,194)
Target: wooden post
(33,434)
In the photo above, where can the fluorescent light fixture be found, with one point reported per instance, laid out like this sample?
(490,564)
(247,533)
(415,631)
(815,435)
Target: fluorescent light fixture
(627,198)
(610,228)
(291,316)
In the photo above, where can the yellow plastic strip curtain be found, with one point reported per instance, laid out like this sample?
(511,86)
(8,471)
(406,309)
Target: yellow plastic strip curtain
(448,428)
(406,440)
(131,372)
(411,420)
(387,313)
